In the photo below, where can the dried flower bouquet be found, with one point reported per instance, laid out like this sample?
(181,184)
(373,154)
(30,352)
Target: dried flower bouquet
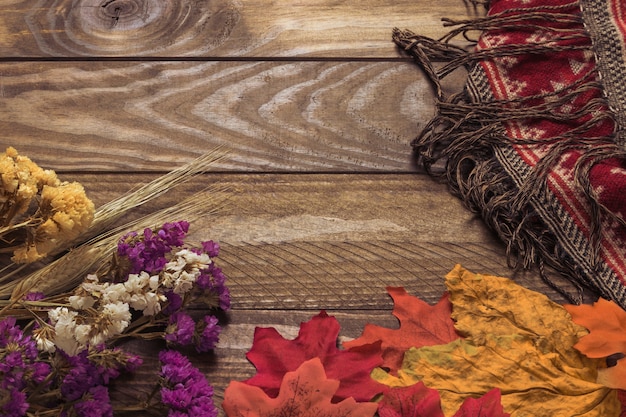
(61,324)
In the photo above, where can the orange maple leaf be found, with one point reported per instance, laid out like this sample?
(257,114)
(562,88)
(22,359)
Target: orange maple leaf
(606,323)
(305,393)
(420,325)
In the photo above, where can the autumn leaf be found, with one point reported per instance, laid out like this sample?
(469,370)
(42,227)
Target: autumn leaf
(606,323)
(413,401)
(304,393)
(621,394)
(516,340)
(420,401)
(613,376)
(273,356)
(485,304)
(420,325)
(489,405)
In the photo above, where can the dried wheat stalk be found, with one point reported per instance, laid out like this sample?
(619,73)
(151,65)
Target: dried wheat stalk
(68,271)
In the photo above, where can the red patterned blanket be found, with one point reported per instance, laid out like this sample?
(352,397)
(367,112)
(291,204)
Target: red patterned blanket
(536,141)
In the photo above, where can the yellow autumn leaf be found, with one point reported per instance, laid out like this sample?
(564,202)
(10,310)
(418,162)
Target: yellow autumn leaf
(516,340)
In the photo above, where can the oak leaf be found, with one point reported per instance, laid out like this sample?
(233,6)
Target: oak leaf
(273,356)
(606,323)
(304,393)
(420,325)
(516,340)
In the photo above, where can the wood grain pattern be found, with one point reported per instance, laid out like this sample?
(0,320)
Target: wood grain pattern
(315,241)
(317,109)
(270,116)
(221,28)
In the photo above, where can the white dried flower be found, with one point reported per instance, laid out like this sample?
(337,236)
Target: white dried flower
(44,337)
(181,272)
(154,282)
(81,302)
(118,317)
(153,303)
(115,293)
(45,345)
(185,282)
(82,333)
(64,321)
(138,302)
(136,283)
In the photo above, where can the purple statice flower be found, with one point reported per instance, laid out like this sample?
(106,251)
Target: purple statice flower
(34,296)
(130,246)
(147,251)
(133,362)
(211,248)
(95,403)
(174,233)
(95,367)
(153,253)
(174,303)
(110,363)
(180,329)
(205,280)
(13,403)
(208,333)
(82,376)
(84,386)
(185,390)
(224,297)
(213,280)
(126,242)
(176,413)
(40,372)
(19,368)
(220,287)
(9,331)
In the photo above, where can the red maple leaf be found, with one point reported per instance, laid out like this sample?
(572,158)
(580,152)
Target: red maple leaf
(420,401)
(420,325)
(304,393)
(413,401)
(489,405)
(273,356)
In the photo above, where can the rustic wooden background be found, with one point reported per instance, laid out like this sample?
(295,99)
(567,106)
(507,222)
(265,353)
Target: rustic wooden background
(316,108)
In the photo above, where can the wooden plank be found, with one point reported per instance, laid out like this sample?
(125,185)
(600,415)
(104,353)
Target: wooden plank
(270,116)
(221,28)
(314,241)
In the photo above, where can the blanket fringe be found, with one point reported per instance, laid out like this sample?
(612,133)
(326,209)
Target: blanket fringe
(466,133)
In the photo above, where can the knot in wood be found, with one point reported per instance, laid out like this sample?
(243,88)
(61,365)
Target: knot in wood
(131,14)
(135,27)
(120,9)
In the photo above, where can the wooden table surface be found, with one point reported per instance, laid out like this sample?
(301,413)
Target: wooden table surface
(316,108)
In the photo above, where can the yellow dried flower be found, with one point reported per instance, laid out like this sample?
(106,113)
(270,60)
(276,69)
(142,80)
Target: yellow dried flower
(66,212)
(71,210)
(38,211)
(25,254)
(21,181)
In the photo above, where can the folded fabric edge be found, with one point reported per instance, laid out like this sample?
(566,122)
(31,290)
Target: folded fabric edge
(468,133)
